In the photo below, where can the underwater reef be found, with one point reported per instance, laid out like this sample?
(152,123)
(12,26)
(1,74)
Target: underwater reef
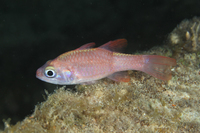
(145,104)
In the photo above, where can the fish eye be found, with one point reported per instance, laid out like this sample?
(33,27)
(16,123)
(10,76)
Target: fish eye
(50,73)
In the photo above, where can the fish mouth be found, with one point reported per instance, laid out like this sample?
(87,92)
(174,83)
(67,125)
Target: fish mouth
(39,74)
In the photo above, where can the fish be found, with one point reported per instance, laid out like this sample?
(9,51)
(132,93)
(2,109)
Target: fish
(87,65)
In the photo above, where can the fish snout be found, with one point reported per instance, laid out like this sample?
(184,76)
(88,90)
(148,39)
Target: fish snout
(39,73)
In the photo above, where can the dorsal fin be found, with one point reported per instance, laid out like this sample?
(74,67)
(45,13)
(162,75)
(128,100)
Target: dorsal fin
(86,46)
(115,46)
(120,76)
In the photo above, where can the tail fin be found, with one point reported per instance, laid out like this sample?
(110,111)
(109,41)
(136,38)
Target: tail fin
(159,66)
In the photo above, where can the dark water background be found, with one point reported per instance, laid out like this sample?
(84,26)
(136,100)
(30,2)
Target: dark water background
(34,31)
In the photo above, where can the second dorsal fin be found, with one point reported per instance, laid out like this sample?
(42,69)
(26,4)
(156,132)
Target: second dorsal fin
(115,46)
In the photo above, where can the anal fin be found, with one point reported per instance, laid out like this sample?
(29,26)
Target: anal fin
(120,76)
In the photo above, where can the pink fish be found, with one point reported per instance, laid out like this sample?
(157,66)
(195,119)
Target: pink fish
(86,64)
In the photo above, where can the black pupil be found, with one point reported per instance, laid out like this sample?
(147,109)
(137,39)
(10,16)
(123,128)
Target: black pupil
(50,73)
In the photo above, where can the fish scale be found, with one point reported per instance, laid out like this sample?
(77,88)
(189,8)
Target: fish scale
(96,64)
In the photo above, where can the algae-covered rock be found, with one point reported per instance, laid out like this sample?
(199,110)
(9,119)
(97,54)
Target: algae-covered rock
(145,104)
(186,36)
